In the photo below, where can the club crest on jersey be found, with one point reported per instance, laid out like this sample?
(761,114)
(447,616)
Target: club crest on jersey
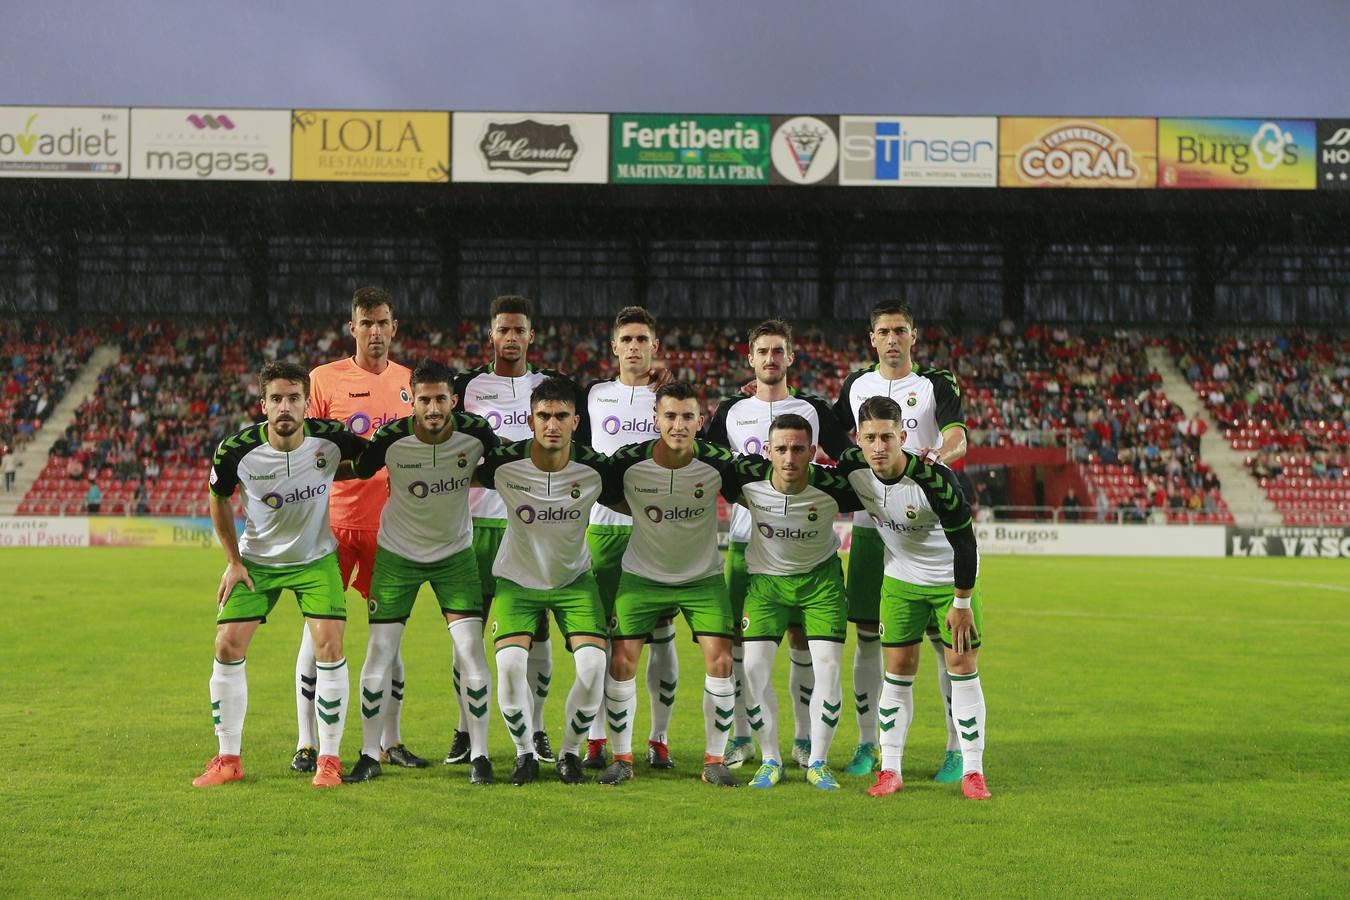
(461,461)
(404,395)
(613,623)
(745,623)
(881,629)
(494,626)
(812,515)
(698,491)
(575,493)
(912,399)
(321,463)
(372,604)
(911,512)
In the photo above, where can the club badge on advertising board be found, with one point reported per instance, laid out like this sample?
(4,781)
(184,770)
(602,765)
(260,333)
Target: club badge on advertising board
(804,149)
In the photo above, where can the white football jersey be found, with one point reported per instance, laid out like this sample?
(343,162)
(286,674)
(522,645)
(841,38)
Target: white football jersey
(791,534)
(427,516)
(617,415)
(285,492)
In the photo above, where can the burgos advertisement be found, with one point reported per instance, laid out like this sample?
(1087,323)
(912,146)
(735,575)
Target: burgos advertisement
(1272,154)
(369,145)
(63,142)
(1077,153)
(689,149)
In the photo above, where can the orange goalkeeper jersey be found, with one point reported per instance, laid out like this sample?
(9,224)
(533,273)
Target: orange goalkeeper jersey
(364,401)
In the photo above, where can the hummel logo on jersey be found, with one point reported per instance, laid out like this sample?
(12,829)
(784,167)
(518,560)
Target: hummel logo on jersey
(606,399)
(754,421)
(643,490)
(271,477)
(517,487)
(354,396)
(485,396)
(416,465)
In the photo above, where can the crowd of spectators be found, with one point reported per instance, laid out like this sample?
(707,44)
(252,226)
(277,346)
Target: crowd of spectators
(39,361)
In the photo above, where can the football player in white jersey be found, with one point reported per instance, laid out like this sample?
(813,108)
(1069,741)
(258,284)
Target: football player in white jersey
(426,537)
(793,562)
(499,391)
(547,484)
(672,484)
(934,428)
(286,468)
(620,413)
(932,572)
(742,424)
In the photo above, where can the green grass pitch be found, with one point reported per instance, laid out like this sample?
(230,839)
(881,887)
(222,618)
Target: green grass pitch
(1156,727)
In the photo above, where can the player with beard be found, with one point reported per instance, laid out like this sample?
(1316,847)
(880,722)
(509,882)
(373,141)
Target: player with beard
(366,391)
(742,424)
(934,429)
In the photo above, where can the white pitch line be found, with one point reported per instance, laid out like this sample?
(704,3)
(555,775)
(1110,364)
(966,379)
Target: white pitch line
(1315,585)
(1229,620)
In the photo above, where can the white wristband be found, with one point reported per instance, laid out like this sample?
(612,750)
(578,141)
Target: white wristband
(961,602)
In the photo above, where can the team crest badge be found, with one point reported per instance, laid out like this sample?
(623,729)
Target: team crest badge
(404,395)
(812,515)
(881,629)
(372,604)
(745,622)
(613,622)
(698,491)
(911,512)
(494,626)
(322,463)
(576,491)
(912,399)
(461,462)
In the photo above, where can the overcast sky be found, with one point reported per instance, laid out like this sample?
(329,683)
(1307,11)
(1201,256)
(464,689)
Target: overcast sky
(1071,57)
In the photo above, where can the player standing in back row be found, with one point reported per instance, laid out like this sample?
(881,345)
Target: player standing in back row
(365,391)
(742,424)
(620,413)
(500,392)
(935,430)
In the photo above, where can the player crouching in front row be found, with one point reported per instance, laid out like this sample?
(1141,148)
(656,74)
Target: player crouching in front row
(931,573)
(286,468)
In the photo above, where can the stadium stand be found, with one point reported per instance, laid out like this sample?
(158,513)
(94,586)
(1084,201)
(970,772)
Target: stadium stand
(1282,402)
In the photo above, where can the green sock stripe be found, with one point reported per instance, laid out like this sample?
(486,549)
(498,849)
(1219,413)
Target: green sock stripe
(662,640)
(971,677)
(869,640)
(237,662)
(900,682)
(330,666)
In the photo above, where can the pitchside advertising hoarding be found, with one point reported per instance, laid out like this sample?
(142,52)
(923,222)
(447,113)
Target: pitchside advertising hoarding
(1269,154)
(63,142)
(918,151)
(804,149)
(1308,543)
(689,149)
(1333,154)
(370,145)
(530,148)
(1078,153)
(205,144)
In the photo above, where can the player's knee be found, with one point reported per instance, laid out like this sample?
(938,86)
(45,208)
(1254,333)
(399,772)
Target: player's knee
(623,660)
(328,644)
(719,664)
(590,665)
(964,664)
(229,646)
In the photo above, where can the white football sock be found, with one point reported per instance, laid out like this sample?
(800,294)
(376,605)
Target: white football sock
(583,700)
(597,732)
(742,726)
(304,690)
(719,705)
(867,684)
(229,703)
(539,676)
(393,706)
(620,708)
(474,679)
(895,711)
(376,677)
(827,660)
(801,685)
(762,706)
(330,705)
(663,674)
(945,686)
(513,696)
(968,713)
